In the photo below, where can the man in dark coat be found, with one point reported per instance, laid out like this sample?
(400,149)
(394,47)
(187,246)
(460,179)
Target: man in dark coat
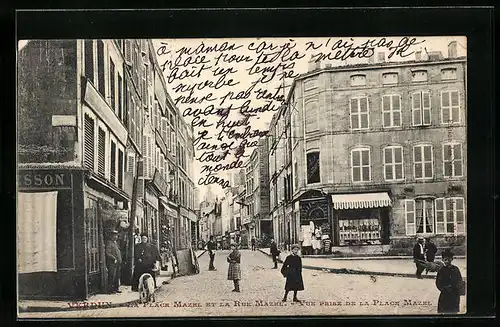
(113,263)
(292,271)
(449,282)
(418,254)
(253,243)
(430,250)
(211,247)
(145,257)
(275,253)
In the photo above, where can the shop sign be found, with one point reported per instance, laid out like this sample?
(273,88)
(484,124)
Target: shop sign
(152,199)
(44,179)
(160,182)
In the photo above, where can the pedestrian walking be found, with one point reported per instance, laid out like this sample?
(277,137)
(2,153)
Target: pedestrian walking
(253,243)
(113,263)
(234,270)
(274,253)
(211,246)
(292,271)
(430,250)
(418,254)
(450,283)
(145,257)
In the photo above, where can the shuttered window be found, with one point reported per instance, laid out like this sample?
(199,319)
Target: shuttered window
(131,164)
(101,154)
(112,88)
(120,97)
(145,155)
(126,105)
(128,52)
(151,156)
(89,60)
(120,168)
(100,68)
(89,142)
(112,173)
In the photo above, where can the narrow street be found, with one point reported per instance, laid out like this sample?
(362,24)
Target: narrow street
(209,294)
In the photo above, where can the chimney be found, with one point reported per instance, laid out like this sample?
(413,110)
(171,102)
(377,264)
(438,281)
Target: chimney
(418,55)
(381,57)
(452,49)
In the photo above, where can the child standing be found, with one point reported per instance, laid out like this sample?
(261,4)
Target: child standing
(234,271)
(449,282)
(292,271)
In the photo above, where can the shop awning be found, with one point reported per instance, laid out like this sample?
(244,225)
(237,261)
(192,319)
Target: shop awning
(361,200)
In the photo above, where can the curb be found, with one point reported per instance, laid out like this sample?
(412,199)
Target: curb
(357,272)
(64,309)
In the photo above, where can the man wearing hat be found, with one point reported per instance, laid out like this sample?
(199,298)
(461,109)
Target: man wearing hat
(145,257)
(449,282)
(113,262)
(418,254)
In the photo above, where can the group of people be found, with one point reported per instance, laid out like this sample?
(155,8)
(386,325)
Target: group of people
(146,260)
(291,269)
(448,279)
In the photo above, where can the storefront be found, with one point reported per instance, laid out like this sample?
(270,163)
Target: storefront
(315,225)
(361,219)
(50,234)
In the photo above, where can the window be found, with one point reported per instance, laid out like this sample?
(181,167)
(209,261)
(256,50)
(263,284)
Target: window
(313,168)
(120,168)
(410,217)
(101,152)
(89,142)
(359,113)
(450,107)
(112,167)
(126,106)
(131,164)
(360,165)
(450,215)
(423,161)
(393,163)
(358,80)
(419,76)
(391,110)
(421,108)
(100,68)
(144,85)
(89,59)
(312,117)
(120,97)
(419,215)
(295,175)
(112,87)
(389,78)
(448,74)
(452,160)
(424,215)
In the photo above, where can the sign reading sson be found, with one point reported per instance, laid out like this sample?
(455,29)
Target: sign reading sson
(44,179)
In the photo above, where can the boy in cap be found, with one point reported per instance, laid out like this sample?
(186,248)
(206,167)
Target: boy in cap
(449,282)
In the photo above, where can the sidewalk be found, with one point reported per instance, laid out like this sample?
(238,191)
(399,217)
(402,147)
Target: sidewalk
(381,266)
(97,301)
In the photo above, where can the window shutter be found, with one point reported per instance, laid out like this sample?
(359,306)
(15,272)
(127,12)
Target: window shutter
(151,157)
(140,188)
(172,142)
(144,46)
(101,157)
(131,163)
(145,155)
(120,168)
(128,52)
(112,173)
(89,143)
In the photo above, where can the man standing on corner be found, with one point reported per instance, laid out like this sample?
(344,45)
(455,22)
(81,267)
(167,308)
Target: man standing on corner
(113,263)
(418,254)
(430,250)
(211,247)
(253,243)
(275,253)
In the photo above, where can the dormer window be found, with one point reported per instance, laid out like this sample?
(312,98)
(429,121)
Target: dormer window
(419,76)
(389,78)
(448,74)
(358,80)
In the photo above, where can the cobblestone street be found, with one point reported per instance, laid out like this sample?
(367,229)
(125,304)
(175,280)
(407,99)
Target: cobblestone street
(209,294)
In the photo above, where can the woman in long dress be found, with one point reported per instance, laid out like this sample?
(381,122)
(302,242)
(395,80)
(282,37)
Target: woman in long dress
(448,281)
(234,271)
(292,271)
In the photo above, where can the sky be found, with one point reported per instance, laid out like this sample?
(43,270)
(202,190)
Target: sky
(189,64)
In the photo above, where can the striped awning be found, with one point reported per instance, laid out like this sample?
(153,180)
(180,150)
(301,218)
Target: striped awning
(360,200)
